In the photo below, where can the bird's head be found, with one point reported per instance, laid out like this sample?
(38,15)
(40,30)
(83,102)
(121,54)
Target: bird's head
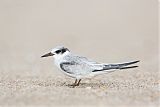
(57,52)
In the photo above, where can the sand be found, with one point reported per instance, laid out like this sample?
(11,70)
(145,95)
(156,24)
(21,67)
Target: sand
(117,89)
(104,31)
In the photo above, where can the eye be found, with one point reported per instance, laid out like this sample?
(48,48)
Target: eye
(58,51)
(63,50)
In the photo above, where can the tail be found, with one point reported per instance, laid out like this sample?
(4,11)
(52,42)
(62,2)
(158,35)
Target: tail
(120,66)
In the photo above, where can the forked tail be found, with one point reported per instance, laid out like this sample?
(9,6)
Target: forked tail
(120,66)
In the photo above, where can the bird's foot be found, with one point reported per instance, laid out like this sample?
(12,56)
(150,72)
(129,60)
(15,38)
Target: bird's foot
(76,83)
(73,85)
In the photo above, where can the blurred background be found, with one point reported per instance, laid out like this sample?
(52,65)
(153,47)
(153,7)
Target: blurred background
(108,31)
(104,30)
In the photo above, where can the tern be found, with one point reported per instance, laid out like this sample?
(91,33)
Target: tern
(79,67)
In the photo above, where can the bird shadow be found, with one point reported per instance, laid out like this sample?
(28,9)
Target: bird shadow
(69,84)
(86,85)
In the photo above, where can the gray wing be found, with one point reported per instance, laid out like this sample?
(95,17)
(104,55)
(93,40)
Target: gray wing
(79,65)
(68,66)
(76,68)
(120,66)
(81,59)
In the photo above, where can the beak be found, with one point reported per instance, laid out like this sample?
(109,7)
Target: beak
(48,54)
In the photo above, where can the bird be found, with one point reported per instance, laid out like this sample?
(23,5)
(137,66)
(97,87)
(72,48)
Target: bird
(79,67)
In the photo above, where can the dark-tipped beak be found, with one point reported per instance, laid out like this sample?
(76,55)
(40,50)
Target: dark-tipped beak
(48,54)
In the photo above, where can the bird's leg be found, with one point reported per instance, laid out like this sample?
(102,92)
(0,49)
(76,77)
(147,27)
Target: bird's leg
(74,84)
(78,82)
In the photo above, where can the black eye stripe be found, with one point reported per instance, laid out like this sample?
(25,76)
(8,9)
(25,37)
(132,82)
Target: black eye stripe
(63,50)
(58,51)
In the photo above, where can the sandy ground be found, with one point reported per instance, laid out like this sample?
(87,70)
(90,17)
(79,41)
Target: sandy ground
(116,89)
(104,30)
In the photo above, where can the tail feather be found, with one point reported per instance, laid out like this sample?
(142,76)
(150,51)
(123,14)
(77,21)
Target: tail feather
(120,66)
(128,63)
(128,67)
